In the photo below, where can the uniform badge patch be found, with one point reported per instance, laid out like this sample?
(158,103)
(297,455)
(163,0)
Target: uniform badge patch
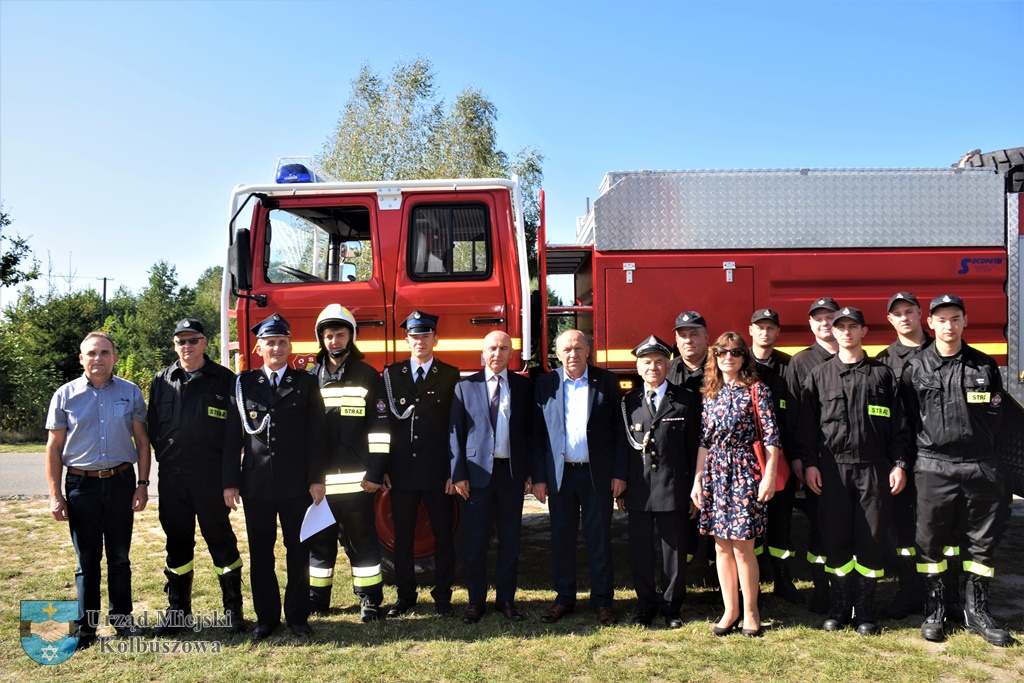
(401,401)
(253,414)
(381,407)
(997,400)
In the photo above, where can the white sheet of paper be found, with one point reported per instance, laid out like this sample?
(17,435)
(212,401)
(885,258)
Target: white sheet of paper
(318,518)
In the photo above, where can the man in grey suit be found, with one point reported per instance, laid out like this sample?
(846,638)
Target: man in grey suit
(579,469)
(489,444)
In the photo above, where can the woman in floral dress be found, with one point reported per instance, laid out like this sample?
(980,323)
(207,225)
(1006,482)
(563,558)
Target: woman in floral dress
(729,489)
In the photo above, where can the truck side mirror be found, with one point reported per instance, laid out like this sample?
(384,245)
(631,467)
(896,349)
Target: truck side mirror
(240,261)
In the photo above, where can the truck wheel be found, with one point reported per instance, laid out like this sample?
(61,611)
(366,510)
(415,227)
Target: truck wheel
(423,549)
(1007,162)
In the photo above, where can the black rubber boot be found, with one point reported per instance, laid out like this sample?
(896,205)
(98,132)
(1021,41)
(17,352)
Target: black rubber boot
(784,587)
(320,600)
(839,611)
(976,616)
(934,626)
(952,586)
(231,591)
(179,603)
(819,603)
(864,611)
(909,595)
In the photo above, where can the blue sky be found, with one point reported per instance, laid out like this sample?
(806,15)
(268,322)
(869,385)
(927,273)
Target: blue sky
(124,125)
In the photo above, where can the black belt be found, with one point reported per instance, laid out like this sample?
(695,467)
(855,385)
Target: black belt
(102,474)
(577,464)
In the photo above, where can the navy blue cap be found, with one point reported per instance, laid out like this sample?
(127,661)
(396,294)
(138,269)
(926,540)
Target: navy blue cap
(652,345)
(419,322)
(825,302)
(189,325)
(850,313)
(947,300)
(902,296)
(690,319)
(274,326)
(765,314)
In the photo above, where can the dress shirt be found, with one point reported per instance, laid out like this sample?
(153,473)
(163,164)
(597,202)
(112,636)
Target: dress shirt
(577,409)
(426,367)
(660,391)
(280,375)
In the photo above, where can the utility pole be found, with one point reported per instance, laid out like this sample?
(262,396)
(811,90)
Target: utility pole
(103,315)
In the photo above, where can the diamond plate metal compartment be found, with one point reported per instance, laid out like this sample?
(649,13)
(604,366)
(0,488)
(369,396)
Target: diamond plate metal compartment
(1014,293)
(798,209)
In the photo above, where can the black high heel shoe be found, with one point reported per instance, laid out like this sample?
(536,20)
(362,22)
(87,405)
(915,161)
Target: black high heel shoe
(753,632)
(724,631)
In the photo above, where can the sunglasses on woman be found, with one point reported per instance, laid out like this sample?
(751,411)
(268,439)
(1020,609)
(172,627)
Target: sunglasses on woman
(735,353)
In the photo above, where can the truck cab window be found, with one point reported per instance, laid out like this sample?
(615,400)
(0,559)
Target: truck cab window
(318,244)
(450,242)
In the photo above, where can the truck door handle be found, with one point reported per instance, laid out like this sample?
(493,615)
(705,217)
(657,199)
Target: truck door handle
(370,323)
(486,321)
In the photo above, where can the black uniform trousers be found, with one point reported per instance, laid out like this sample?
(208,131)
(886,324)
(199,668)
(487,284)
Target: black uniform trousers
(184,497)
(356,531)
(668,529)
(498,505)
(405,505)
(957,501)
(261,526)
(904,517)
(576,501)
(778,535)
(854,514)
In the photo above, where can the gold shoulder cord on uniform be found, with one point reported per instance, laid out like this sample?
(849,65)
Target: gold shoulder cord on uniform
(240,400)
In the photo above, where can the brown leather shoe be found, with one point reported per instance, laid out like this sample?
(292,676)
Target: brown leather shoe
(472,614)
(606,616)
(509,609)
(556,612)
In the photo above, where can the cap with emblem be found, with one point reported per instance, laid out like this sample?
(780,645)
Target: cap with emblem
(419,322)
(947,300)
(902,296)
(189,325)
(690,319)
(652,345)
(826,302)
(765,314)
(274,326)
(850,313)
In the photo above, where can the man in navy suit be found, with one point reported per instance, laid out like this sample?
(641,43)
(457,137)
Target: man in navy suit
(489,444)
(580,466)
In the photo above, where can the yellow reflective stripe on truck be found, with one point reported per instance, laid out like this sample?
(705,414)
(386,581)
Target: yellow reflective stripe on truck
(390,345)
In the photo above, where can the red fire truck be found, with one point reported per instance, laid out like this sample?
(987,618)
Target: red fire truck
(654,243)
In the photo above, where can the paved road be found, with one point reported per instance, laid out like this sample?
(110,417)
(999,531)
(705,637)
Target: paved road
(24,474)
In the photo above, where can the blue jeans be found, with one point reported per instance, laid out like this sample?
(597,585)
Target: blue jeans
(100,516)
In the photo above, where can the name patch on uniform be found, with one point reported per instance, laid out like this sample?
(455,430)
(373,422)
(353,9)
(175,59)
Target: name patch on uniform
(782,404)
(218,413)
(353,411)
(878,411)
(979,396)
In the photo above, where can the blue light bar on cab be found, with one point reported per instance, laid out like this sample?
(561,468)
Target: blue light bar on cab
(295,173)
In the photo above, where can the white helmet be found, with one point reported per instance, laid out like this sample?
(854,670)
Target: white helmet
(335,315)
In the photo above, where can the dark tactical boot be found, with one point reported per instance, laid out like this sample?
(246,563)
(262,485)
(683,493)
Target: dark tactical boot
(179,603)
(953,585)
(320,600)
(231,590)
(819,603)
(976,616)
(839,611)
(934,626)
(864,611)
(369,609)
(784,587)
(909,595)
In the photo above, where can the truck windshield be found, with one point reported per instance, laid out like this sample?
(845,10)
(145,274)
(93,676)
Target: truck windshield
(318,244)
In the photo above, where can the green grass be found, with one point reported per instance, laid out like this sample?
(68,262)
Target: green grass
(28,447)
(37,562)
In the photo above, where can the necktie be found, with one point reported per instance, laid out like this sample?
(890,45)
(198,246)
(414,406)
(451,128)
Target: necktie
(495,401)
(653,395)
(419,377)
(273,381)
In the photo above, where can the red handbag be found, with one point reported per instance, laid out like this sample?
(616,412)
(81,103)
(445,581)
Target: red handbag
(761,451)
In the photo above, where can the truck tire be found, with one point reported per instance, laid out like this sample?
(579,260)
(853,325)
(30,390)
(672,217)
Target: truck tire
(1007,162)
(423,550)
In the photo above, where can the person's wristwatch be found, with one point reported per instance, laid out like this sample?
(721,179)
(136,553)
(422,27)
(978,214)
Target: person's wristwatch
(143,482)
(902,464)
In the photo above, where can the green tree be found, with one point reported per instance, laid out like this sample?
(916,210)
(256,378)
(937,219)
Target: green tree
(398,128)
(16,262)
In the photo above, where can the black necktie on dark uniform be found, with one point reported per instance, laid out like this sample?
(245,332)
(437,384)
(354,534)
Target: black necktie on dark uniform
(419,378)
(653,395)
(273,382)
(495,400)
